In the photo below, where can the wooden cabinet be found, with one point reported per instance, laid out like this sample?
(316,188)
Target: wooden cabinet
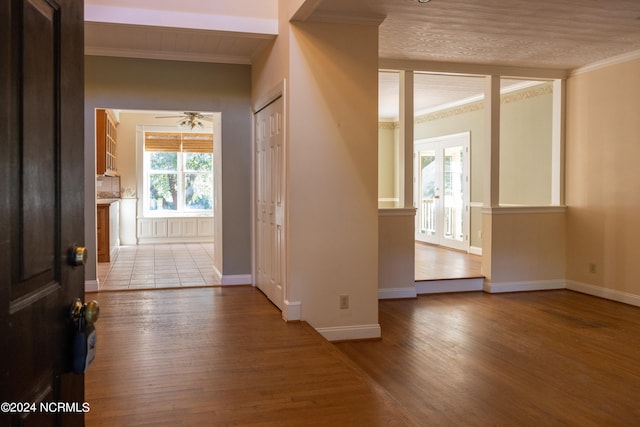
(108,225)
(102,221)
(106,142)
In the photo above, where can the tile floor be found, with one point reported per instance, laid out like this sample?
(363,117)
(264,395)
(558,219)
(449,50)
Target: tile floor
(159,266)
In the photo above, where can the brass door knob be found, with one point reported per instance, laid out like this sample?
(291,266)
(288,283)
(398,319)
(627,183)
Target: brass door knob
(91,311)
(88,312)
(77,255)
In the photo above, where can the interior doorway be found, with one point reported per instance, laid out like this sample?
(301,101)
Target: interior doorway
(166,195)
(441,190)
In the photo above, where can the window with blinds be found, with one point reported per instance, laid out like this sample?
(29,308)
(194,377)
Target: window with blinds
(178,172)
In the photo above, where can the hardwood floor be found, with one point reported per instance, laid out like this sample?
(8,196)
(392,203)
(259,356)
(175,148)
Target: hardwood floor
(554,358)
(219,357)
(223,356)
(436,263)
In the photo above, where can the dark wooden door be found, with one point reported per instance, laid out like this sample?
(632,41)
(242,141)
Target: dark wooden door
(41,208)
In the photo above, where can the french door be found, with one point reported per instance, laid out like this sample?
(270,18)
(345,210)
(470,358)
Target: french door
(441,190)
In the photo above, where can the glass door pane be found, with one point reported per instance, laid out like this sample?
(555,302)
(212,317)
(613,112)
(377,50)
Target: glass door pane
(453,181)
(428,189)
(441,190)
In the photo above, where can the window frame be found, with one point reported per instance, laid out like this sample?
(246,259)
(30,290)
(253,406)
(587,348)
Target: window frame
(181,149)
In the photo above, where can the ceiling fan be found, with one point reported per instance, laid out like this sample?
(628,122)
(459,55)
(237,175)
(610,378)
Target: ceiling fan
(190,120)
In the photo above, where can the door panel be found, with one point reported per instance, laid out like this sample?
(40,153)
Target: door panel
(270,202)
(42,119)
(442,190)
(453,187)
(428,195)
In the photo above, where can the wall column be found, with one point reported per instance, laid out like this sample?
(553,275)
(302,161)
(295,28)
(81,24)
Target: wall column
(405,167)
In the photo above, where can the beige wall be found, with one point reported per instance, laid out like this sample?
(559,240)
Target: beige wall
(602,175)
(331,134)
(396,262)
(333,161)
(525,146)
(524,248)
(387,161)
(271,67)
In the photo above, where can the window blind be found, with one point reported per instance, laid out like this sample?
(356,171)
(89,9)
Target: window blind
(177,141)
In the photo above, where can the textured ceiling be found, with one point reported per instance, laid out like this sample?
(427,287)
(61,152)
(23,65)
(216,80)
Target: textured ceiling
(541,34)
(557,34)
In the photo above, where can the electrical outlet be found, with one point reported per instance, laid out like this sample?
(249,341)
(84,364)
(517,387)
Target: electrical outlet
(344,302)
(592,267)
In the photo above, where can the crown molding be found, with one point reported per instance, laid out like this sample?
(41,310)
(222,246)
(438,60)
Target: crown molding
(167,55)
(175,19)
(337,18)
(614,60)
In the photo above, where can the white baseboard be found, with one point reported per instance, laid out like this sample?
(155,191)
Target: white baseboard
(601,292)
(218,275)
(292,310)
(475,250)
(396,293)
(346,333)
(238,279)
(537,285)
(451,285)
(91,285)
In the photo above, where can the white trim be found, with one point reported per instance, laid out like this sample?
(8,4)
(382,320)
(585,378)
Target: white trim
(397,293)
(522,210)
(389,199)
(397,212)
(167,55)
(558,125)
(237,279)
(292,310)
(475,250)
(599,291)
(536,285)
(346,333)
(274,93)
(470,69)
(614,60)
(451,285)
(476,205)
(91,285)
(175,19)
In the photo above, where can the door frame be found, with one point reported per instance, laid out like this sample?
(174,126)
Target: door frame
(439,144)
